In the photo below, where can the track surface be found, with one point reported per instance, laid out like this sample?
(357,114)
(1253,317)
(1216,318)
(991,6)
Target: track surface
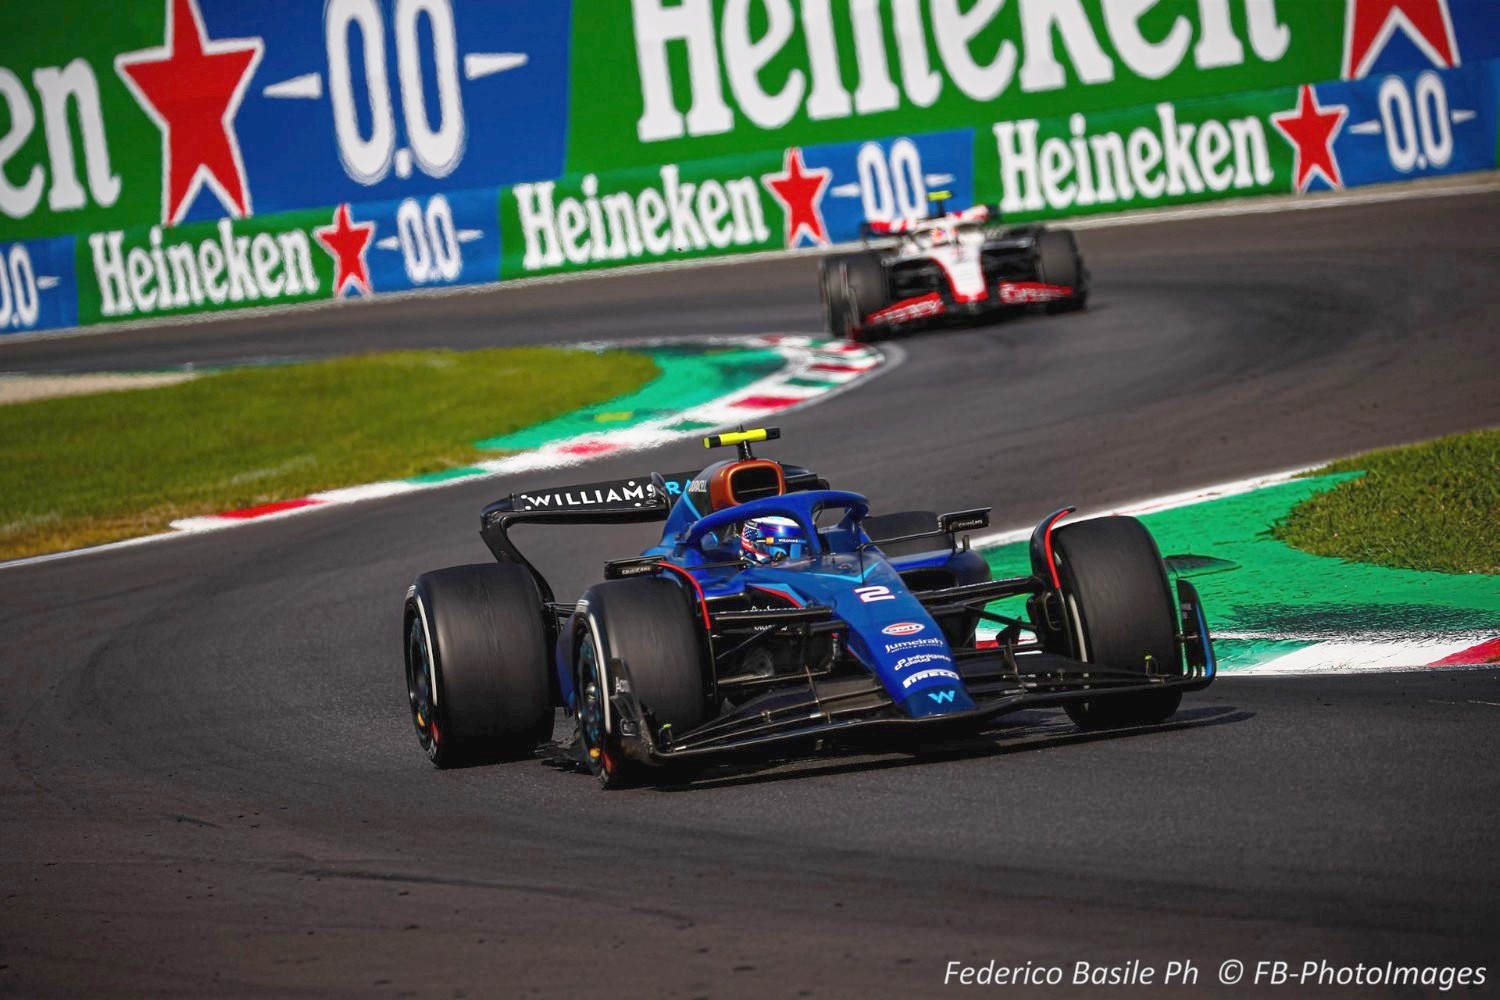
(211,784)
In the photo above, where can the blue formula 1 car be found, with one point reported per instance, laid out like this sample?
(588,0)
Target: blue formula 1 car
(776,612)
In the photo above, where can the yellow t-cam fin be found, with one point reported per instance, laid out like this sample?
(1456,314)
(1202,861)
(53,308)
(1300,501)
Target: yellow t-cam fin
(752,436)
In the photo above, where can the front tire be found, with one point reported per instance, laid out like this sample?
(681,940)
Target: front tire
(853,285)
(648,625)
(1120,606)
(1060,263)
(476,664)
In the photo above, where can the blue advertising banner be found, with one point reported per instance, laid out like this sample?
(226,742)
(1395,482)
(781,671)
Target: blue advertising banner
(38,288)
(372,100)
(1404,126)
(433,242)
(889,179)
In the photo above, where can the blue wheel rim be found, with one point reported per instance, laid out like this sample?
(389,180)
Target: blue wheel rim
(419,682)
(591,702)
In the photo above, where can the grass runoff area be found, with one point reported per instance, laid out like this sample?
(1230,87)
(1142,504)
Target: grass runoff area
(84,470)
(1433,506)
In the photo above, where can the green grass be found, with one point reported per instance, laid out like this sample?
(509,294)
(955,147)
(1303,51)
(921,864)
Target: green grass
(84,470)
(1433,506)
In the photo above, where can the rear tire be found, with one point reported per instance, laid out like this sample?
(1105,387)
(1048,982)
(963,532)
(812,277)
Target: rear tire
(1121,600)
(1060,263)
(650,626)
(476,664)
(853,286)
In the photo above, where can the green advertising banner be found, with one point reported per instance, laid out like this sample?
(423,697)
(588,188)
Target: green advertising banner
(703,208)
(142,273)
(77,153)
(1169,153)
(673,80)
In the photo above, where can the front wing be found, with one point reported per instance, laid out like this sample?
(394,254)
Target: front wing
(930,306)
(1008,678)
(829,709)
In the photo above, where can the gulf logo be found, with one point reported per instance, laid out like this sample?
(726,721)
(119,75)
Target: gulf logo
(904,628)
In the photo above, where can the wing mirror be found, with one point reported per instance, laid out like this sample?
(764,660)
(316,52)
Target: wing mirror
(964,520)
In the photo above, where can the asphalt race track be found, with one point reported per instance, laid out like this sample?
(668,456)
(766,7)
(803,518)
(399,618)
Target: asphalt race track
(210,783)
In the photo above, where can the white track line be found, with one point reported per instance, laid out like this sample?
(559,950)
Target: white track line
(1355,656)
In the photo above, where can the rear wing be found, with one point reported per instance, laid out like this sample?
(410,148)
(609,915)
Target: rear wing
(611,501)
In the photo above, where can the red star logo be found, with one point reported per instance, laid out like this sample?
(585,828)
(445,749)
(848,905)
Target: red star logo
(1369,24)
(1311,129)
(800,192)
(347,243)
(192,88)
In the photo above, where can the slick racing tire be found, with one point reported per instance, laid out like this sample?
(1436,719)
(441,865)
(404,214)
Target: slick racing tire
(853,286)
(1120,605)
(1060,263)
(650,627)
(476,664)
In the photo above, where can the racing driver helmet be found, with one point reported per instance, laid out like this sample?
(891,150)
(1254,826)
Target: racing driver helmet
(767,540)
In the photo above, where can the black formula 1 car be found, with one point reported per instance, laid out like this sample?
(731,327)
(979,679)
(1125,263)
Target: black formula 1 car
(952,266)
(774,612)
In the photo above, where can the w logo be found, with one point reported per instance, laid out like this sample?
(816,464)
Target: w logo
(940,696)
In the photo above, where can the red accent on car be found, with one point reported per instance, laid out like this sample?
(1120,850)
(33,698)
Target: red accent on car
(1047,548)
(920,307)
(1019,293)
(778,593)
(697,589)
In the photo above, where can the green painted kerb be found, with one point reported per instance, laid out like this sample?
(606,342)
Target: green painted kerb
(690,376)
(1280,599)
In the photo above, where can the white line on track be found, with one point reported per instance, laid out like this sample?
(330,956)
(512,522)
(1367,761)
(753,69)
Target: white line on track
(1356,656)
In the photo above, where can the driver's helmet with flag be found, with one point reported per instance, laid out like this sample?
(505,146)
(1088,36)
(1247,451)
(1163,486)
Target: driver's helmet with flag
(767,540)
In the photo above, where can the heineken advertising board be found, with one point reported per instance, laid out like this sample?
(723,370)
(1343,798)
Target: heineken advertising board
(166,157)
